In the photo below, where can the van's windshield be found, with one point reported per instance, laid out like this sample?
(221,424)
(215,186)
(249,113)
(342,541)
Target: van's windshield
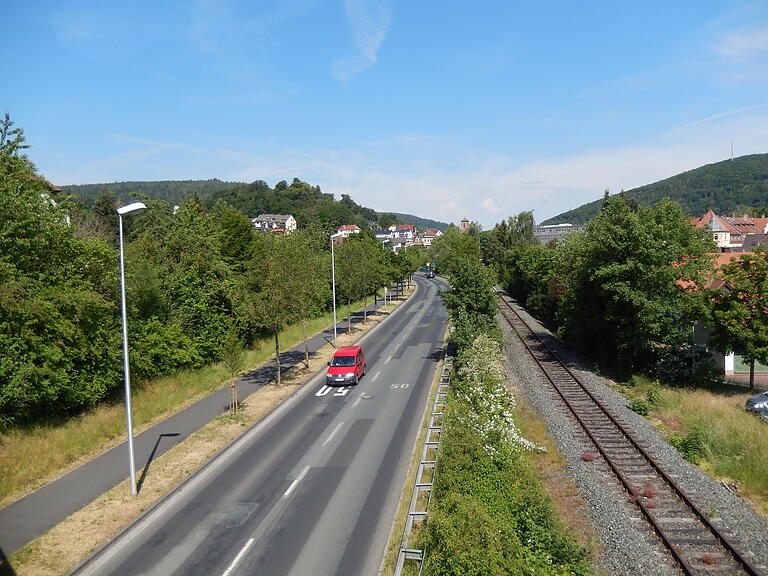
(343,361)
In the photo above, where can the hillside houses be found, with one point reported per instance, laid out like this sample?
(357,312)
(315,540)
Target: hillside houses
(731,234)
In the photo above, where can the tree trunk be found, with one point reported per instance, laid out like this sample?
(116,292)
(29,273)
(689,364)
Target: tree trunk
(306,344)
(365,315)
(349,316)
(278,376)
(752,375)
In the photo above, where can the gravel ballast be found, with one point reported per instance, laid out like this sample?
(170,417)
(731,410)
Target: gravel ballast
(628,547)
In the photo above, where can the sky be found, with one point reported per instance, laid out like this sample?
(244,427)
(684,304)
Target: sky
(445,110)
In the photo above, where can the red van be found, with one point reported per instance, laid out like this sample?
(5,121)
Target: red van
(346,367)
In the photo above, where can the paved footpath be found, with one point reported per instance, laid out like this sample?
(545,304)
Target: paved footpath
(29,518)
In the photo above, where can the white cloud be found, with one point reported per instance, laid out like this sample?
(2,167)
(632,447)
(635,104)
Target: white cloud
(489,205)
(368,21)
(434,180)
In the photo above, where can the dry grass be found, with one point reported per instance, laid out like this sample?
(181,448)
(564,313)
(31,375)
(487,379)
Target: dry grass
(736,442)
(550,465)
(74,539)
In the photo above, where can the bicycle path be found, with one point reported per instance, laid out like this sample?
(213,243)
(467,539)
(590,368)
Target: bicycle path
(32,516)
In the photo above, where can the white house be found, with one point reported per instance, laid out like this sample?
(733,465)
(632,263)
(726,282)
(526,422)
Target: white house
(276,223)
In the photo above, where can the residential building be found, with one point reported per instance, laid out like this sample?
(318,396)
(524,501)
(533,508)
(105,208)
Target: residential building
(407,231)
(348,229)
(428,235)
(730,232)
(556,232)
(275,223)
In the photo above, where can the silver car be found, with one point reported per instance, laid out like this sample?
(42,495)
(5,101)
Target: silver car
(758,404)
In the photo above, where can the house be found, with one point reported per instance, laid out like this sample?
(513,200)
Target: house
(730,232)
(407,231)
(726,364)
(383,235)
(556,232)
(428,235)
(752,241)
(348,229)
(275,223)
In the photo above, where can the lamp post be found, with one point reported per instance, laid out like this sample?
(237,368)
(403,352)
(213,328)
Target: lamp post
(333,282)
(128,208)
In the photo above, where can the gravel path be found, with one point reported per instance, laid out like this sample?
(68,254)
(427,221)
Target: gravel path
(629,549)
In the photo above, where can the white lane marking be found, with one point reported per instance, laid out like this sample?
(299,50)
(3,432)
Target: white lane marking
(332,434)
(295,483)
(356,402)
(375,376)
(238,557)
(388,359)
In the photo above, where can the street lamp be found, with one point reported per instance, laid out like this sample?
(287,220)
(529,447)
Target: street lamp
(128,208)
(333,282)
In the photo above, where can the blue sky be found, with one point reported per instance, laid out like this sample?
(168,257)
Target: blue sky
(441,109)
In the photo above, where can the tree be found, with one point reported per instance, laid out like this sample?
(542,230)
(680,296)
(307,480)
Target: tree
(740,310)
(274,304)
(386,220)
(309,271)
(11,139)
(57,308)
(359,268)
(622,296)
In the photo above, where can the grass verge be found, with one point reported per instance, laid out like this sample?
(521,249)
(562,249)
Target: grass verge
(712,430)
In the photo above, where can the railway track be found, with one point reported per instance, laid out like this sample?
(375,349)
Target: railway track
(695,544)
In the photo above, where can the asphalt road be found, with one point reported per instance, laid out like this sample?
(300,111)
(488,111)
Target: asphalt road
(32,516)
(311,489)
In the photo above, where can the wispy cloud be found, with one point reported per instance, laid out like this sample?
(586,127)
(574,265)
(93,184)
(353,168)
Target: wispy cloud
(742,54)
(719,116)
(744,45)
(368,22)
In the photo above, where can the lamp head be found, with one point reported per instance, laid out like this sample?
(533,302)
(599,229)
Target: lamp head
(135,207)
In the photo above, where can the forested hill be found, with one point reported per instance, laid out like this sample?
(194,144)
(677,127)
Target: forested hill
(422,223)
(732,186)
(172,191)
(307,203)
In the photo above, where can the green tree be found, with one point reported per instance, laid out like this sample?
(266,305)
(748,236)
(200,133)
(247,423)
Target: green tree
(623,300)
(360,269)
(12,140)
(309,270)
(740,310)
(57,316)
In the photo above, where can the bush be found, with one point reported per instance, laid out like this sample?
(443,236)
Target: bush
(640,406)
(489,513)
(692,446)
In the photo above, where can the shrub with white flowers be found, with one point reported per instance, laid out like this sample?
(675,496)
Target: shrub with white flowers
(480,383)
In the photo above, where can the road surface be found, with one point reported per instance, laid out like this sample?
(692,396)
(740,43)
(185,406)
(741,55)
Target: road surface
(311,489)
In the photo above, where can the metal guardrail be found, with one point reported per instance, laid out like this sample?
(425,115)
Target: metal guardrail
(425,475)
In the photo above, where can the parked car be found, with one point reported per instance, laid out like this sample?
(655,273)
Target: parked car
(346,367)
(759,404)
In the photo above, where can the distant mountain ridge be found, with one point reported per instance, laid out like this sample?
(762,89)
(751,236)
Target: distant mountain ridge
(253,199)
(731,186)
